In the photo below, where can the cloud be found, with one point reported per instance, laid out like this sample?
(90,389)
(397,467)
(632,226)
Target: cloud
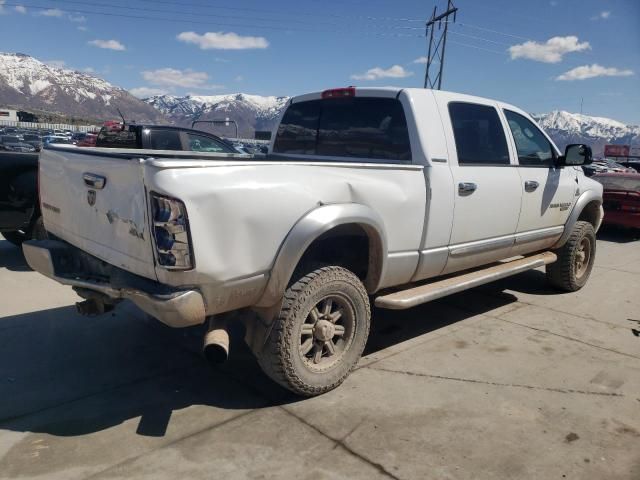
(396,71)
(592,71)
(223,41)
(2,10)
(20,9)
(551,51)
(553,3)
(89,70)
(52,12)
(604,15)
(77,18)
(422,60)
(55,63)
(82,28)
(145,92)
(239,78)
(174,78)
(107,44)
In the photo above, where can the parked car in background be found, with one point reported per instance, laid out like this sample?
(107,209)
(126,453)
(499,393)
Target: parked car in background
(33,140)
(56,139)
(89,140)
(20,217)
(621,198)
(14,143)
(162,137)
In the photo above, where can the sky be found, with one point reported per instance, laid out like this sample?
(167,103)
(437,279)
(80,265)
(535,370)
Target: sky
(540,55)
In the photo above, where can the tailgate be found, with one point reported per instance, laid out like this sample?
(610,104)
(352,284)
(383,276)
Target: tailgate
(97,202)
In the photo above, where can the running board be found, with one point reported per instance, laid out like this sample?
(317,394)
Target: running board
(432,291)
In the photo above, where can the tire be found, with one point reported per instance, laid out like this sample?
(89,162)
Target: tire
(15,238)
(575,259)
(328,305)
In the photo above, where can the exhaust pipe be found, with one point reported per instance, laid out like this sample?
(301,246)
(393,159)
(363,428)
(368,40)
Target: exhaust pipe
(216,341)
(93,307)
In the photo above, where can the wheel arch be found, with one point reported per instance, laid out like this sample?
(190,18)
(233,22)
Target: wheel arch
(314,226)
(587,208)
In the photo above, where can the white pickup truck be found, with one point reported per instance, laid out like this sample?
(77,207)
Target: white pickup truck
(395,196)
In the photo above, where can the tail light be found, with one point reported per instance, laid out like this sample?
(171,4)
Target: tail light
(171,233)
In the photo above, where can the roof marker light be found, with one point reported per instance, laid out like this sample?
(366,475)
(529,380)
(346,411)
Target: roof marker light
(339,92)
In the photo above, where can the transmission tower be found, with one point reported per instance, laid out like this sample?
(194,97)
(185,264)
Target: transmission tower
(437,45)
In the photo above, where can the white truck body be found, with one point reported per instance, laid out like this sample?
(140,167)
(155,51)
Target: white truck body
(252,219)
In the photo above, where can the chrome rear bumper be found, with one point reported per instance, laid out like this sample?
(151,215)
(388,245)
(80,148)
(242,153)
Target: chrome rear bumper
(180,308)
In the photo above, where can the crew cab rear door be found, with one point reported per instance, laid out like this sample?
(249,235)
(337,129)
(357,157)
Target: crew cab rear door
(95,200)
(487,187)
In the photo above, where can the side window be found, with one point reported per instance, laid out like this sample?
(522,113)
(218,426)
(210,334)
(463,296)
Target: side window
(364,128)
(480,138)
(108,138)
(533,147)
(201,143)
(165,140)
(298,130)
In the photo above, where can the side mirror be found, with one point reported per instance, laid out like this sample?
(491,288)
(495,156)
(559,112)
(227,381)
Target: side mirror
(576,154)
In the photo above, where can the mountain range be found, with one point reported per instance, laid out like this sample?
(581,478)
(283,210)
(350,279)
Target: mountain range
(53,92)
(49,91)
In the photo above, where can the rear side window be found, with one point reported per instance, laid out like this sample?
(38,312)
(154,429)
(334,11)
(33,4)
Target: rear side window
(533,147)
(117,138)
(357,127)
(165,140)
(479,135)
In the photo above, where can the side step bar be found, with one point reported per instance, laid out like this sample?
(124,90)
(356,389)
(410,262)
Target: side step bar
(432,291)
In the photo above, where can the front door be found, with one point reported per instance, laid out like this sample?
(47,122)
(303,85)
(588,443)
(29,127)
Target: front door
(548,193)
(487,186)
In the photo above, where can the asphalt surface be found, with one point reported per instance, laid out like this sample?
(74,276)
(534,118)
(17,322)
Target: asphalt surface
(510,380)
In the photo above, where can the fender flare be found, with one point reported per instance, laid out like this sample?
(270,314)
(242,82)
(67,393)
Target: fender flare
(311,226)
(585,199)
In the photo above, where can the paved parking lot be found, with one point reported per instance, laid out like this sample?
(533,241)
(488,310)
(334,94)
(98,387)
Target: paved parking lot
(507,381)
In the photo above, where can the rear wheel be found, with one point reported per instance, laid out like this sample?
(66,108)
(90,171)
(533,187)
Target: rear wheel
(575,259)
(320,332)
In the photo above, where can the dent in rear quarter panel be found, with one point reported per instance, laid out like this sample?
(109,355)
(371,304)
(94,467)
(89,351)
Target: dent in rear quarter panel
(239,215)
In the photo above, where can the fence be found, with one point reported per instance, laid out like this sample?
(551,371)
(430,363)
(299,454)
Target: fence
(49,126)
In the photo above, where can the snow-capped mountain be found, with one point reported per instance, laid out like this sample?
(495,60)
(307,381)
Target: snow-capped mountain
(565,128)
(27,83)
(251,112)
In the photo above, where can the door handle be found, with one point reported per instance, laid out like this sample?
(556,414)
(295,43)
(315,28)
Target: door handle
(530,185)
(466,188)
(94,181)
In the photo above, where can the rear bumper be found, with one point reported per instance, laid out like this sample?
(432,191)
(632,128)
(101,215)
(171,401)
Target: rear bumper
(62,263)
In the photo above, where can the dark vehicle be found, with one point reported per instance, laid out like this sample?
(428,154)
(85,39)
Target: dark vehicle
(20,217)
(34,140)
(14,143)
(621,199)
(160,137)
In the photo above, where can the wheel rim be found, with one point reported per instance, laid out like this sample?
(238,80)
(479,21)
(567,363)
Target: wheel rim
(327,332)
(582,257)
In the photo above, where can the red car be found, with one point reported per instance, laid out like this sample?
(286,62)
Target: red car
(621,198)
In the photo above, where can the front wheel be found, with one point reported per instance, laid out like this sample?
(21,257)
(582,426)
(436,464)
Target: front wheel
(575,259)
(320,332)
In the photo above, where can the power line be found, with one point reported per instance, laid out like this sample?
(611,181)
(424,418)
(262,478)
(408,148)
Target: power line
(492,31)
(350,32)
(217,15)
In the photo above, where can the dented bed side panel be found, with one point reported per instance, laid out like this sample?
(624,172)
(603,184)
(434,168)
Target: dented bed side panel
(240,214)
(109,222)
